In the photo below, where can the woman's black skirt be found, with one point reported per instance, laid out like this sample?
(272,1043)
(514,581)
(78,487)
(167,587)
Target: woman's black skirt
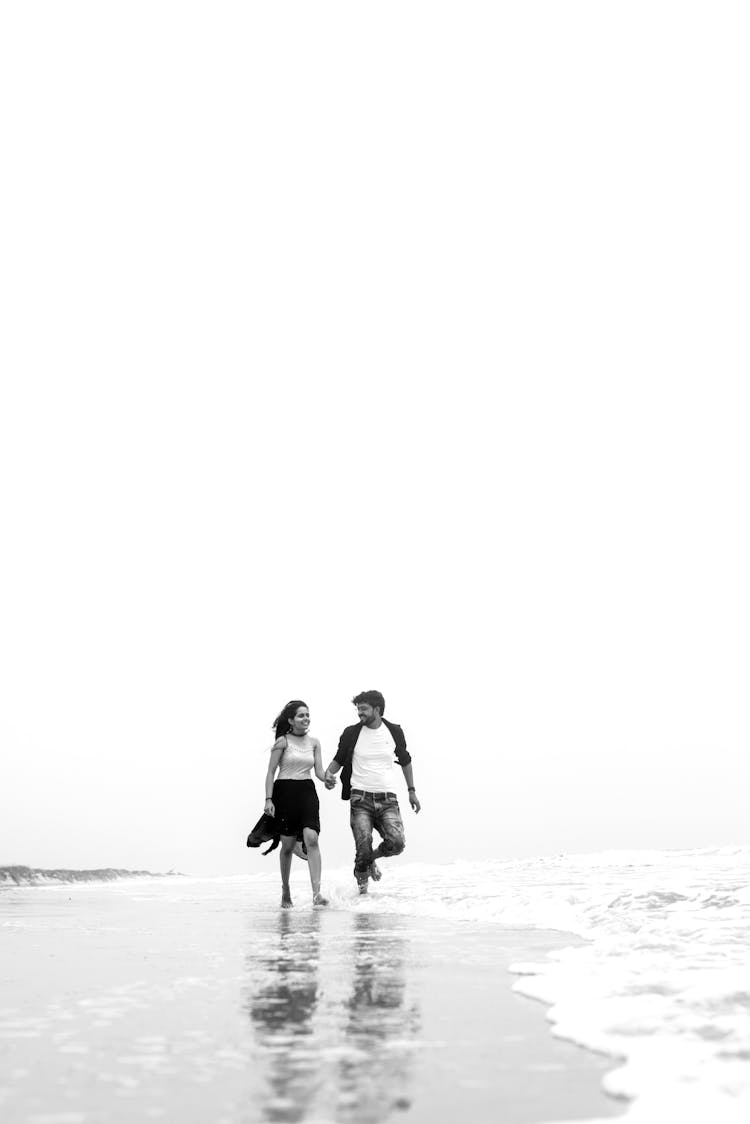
(296,806)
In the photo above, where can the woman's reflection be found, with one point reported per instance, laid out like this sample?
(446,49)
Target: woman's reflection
(374,1075)
(282,1009)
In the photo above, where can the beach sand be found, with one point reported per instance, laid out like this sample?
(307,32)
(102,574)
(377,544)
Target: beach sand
(205,1002)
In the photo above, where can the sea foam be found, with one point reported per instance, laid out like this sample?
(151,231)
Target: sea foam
(658,980)
(661,982)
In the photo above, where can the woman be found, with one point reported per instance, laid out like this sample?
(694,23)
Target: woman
(292,799)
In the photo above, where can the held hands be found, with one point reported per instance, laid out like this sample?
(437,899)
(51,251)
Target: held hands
(330,780)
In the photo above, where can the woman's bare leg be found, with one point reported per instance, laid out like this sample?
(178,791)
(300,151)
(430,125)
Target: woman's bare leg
(315,863)
(285,862)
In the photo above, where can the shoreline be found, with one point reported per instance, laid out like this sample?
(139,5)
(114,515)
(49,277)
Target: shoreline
(206,1001)
(537,1077)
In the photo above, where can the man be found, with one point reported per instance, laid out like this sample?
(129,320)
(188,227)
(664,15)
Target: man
(366,755)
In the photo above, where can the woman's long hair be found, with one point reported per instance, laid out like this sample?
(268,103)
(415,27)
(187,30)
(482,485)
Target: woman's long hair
(282,723)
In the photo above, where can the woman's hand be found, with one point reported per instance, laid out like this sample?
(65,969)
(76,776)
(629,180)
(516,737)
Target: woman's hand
(268,807)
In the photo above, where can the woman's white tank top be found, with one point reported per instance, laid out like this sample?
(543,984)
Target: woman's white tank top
(296,761)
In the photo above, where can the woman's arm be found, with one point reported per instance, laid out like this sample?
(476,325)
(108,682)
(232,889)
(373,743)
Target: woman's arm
(330,773)
(273,763)
(319,771)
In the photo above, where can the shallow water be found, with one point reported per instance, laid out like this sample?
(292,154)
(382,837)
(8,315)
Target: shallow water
(662,980)
(200,1000)
(201,994)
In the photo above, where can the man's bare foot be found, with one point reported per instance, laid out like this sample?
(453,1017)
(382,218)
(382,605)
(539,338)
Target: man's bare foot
(318,899)
(374,871)
(286,899)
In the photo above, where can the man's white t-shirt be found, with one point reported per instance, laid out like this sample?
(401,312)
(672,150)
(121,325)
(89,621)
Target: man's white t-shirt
(373,766)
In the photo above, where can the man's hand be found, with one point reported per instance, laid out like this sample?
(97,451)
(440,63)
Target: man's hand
(414,802)
(330,781)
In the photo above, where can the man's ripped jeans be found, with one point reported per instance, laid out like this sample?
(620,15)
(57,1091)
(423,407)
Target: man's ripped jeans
(378,810)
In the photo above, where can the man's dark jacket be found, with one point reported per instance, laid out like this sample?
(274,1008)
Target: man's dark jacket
(347,742)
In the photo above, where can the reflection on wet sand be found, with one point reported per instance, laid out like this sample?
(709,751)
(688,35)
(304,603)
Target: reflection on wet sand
(374,1077)
(282,1009)
(334,1037)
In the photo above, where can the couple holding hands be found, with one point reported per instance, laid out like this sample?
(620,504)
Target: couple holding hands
(367,755)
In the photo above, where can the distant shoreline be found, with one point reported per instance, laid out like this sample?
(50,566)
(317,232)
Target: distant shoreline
(32,876)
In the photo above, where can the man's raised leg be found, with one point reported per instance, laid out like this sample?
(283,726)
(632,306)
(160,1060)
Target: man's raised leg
(390,825)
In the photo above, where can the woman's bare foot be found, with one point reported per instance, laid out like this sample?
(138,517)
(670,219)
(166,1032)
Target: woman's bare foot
(318,899)
(286,898)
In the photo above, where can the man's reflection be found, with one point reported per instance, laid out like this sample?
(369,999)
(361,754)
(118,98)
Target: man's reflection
(375,1070)
(282,1009)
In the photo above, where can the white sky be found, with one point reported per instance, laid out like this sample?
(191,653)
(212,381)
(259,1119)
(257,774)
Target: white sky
(399,346)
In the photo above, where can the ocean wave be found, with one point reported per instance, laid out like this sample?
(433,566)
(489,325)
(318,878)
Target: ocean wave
(660,981)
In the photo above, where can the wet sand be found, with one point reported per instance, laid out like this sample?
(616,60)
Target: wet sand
(204,1002)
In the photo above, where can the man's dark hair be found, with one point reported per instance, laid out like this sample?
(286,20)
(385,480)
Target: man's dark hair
(370,698)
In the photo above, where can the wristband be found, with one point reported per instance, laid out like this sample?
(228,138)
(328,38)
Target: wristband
(412,790)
